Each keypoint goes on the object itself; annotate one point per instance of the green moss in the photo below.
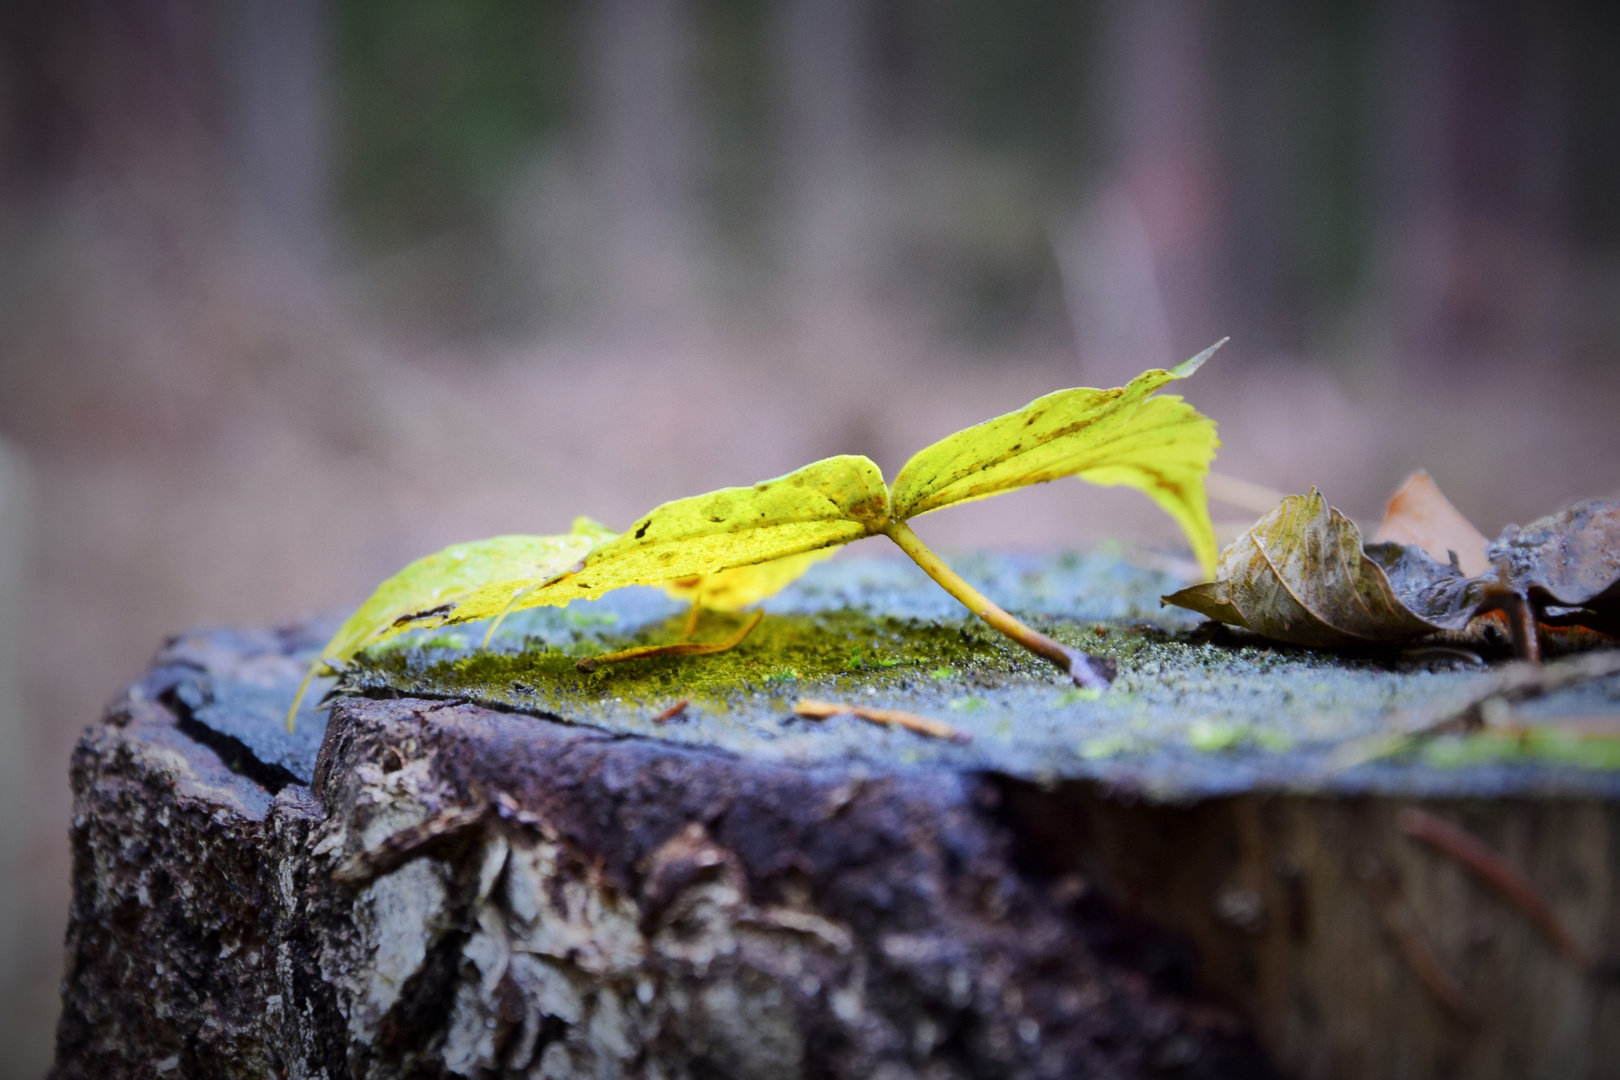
(1213, 735)
(1191, 709)
(1105, 746)
(829, 649)
(1536, 744)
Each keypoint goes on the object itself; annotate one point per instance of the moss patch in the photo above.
(1194, 710)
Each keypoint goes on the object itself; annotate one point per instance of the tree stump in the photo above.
(490, 864)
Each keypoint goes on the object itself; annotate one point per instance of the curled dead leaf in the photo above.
(1301, 575)
(1567, 565)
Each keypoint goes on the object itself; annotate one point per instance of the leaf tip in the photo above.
(1187, 367)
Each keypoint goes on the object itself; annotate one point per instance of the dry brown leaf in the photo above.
(1419, 514)
(1567, 565)
(1301, 575)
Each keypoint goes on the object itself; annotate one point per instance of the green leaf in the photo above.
(1301, 575)
(822, 505)
(788, 520)
(733, 547)
(1159, 445)
(462, 583)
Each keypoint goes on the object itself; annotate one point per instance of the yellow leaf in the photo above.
(744, 586)
(822, 505)
(462, 583)
(745, 543)
(1124, 436)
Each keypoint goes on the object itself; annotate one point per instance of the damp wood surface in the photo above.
(1195, 710)
(488, 863)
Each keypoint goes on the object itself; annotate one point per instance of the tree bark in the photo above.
(454, 890)
(467, 892)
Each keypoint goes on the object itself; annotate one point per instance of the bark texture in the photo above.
(1357, 950)
(466, 892)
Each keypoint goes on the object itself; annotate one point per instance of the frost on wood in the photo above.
(472, 893)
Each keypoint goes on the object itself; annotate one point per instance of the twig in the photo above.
(680, 648)
(1521, 620)
(1513, 682)
(1493, 869)
(1243, 494)
(1465, 711)
(1402, 925)
(672, 712)
(923, 725)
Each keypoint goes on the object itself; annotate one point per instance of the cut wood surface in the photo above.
(478, 868)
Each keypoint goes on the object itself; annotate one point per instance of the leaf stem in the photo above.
(680, 648)
(1083, 669)
(298, 698)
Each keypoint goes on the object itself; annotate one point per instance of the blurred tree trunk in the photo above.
(646, 129)
(280, 93)
(1139, 261)
(1473, 192)
(112, 168)
(106, 90)
(1266, 122)
(136, 135)
(19, 793)
(820, 53)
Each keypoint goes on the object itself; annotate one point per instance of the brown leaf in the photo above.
(1300, 575)
(1567, 565)
(1438, 593)
(1419, 514)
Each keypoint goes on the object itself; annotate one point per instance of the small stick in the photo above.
(1521, 619)
(1493, 869)
(1602, 727)
(504, 612)
(1402, 925)
(923, 725)
(1087, 671)
(672, 712)
(1512, 682)
(680, 648)
(1243, 494)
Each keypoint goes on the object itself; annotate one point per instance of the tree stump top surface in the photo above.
(531, 876)
(1196, 710)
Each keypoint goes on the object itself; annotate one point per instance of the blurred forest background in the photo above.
(293, 291)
